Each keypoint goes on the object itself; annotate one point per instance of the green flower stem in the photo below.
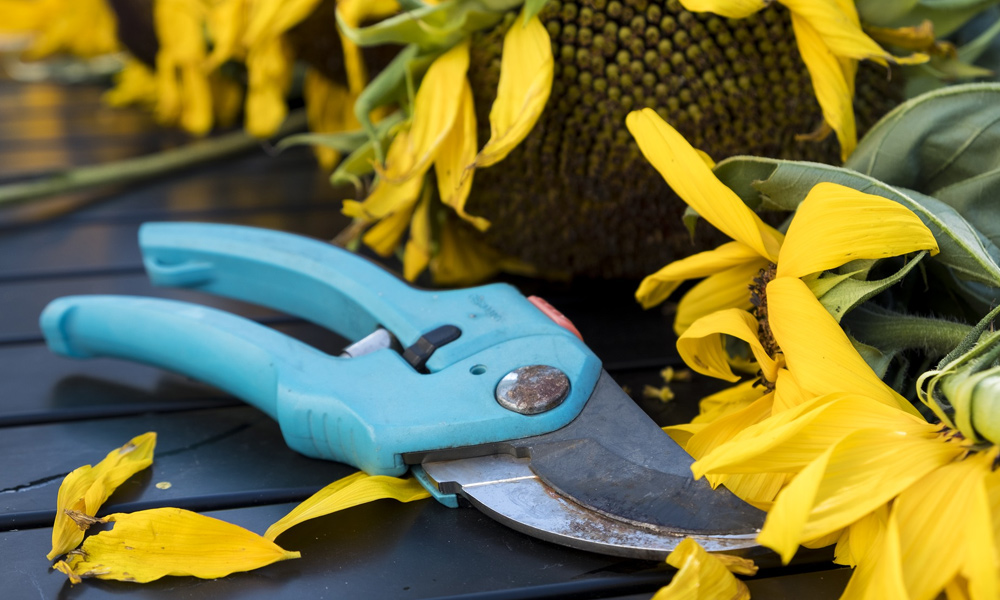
(898, 332)
(145, 167)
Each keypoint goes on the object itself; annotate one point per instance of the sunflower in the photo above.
(834, 226)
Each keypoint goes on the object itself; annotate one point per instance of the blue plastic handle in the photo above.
(367, 411)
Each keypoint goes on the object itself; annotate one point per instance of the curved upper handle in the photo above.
(334, 288)
(367, 411)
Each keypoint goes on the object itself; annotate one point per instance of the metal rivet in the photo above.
(533, 389)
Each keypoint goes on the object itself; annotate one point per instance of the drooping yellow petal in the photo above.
(702, 345)
(384, 236)
(184, 92)
(861, 537)
(689, 176)
(354, 13)
(227, 22)
(388, 197)
(352, 490)
(458, 151)
(725, 289)
(435, 110)
(788, 441)
(417, 252)
(269, 68)
(150, 544)
(833, 91)
(329, 109)
(836, 224)
(731, 9)
(526, 71)
(945, 527)
(703, 576)
(879, 576)
(817, 350)
(861, 472)
(85, 489)
(134, 84)
(271, 18)
(657, 287)
(841, 33)
(727, 401)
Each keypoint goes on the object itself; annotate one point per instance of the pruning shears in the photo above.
(482, 393)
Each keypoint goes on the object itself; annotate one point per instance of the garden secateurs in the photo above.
(482, 393)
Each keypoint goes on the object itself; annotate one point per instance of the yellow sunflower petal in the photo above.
(417, 252)
(934, 549)
(879, 575)
(85, 489)
(227, 21)
(689, 176)
(150, 544)
(271, 18)
(657, 287)
(788, 441)
(727, 401)
(352, 490)
(526, 71)
(458, 151)
(702, 345)
(701, 576)
(389, 197)
(861, 537)
(435, 109)
(269, 69)
(329, 109)
(725, 428)
(836, 224)
(861, 472)
(833, 90)
(731, 9)
(841, 33)
(354, 13)
(723, 290)
(817, 350)
(385, 235)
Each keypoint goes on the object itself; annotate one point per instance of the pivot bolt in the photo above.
(532, 390)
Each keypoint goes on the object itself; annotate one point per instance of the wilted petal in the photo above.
(842, 34)
(725, 289)
(417, 252)
(727, 401)
(329, 109)
(150, 544)
(861, 472)
(352, 490)
(389, 197)
(703, 576)
(833, 90)
(817, 350)
(686, 172)
(271, 18)
(85, 489)
(269, 74)
(385, 235)
(354, 13)
(435, 110)
(702, 346)
(836, 224)
(458, 150)
(526, 71)
(657, 287)
(732, 9)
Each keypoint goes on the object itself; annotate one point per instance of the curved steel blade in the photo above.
(505, 488)
(611, 481)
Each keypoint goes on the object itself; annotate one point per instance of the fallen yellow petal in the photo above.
(352, 490)
(85, 489)
(704, 576)
(526, 71)
(150, 544)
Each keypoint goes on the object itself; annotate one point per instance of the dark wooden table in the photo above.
(220, 456)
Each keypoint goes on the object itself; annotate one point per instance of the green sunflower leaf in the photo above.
(846, 292)
(967, 252)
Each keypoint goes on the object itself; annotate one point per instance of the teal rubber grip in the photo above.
(367, 411)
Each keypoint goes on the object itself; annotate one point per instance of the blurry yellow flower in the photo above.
(83, 28)
(134, 84)
(329, 109)
(833, 226)
(831, 42)
(443, 134)
(359, 488)
(183, 89)
(704, 576)
(83, 491)
(147, 545)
